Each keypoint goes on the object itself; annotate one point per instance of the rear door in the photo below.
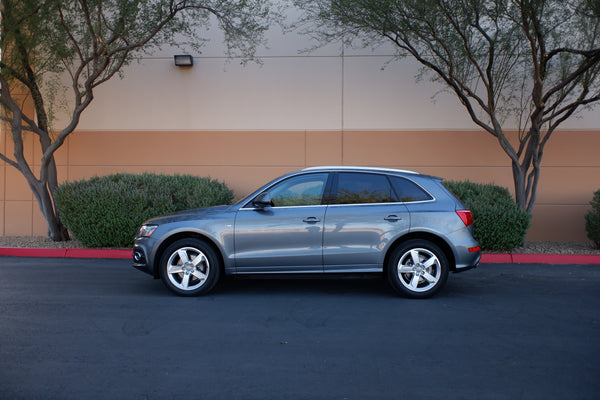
(363, 216)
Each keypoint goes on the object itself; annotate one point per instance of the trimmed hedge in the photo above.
(592, 220)
(106, 211)
(499, 223)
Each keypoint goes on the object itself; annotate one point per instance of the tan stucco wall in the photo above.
(247, 159)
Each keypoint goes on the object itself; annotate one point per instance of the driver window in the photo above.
(303, 190)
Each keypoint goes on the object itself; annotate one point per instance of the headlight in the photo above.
(146, 230)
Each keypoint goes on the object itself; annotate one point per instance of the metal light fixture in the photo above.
(183, 60)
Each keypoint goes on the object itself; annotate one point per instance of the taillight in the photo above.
(466, 216)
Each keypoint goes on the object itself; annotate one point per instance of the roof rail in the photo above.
(348, 167)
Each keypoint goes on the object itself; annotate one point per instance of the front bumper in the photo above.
(140, 260)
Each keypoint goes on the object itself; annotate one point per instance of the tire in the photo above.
(190, 267)
(417, 269)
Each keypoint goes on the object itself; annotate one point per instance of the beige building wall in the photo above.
(248, 124)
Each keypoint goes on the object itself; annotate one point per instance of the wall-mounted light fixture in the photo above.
(183, 60)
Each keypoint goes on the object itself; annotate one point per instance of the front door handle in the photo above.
(311, 220)
(393, 218)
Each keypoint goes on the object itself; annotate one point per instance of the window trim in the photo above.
(332, 193)
(331, 184)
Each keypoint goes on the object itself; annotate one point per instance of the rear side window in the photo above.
(359, 188)
(408, 191)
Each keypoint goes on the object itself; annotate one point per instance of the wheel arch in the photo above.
(437, 240)
(184, 235)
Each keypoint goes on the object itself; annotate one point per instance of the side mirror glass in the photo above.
(263, 200)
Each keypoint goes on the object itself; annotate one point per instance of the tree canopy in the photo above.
(515, 65)
(56, 47)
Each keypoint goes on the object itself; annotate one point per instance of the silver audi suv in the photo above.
(322, 220)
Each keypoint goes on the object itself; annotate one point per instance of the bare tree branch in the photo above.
(89, 42)
(530, 63)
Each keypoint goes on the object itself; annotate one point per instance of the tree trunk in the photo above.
(520, 180)
(526, 184)
(56, 230)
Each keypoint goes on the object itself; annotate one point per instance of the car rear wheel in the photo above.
(190, 267)
(417, 269)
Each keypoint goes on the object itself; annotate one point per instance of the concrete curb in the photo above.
(487, 258)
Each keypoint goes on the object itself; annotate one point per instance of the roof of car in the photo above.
(359, 168)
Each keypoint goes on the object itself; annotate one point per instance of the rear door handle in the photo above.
(311, 220)
(393, 218)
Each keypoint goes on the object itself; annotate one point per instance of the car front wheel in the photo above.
(190, 267)
(417, 269)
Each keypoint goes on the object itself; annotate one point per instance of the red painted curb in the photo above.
(68, 253)
(555, 259)
(491, 258)
(24, 252)
(496, 258)
(99, 253)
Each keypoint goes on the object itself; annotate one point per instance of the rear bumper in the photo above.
(469, 261)
(467, 252)
(467, 268)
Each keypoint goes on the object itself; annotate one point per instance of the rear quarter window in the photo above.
(408, 191)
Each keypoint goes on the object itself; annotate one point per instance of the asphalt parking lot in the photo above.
(97, 329)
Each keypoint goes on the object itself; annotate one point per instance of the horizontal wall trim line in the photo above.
(345, 130)
(544, 167)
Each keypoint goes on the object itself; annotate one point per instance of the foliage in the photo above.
(106, 211)
(592, 220)
(525, 65)
(53, 49)
(498, 223)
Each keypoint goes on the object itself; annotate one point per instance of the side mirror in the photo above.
(263, 200)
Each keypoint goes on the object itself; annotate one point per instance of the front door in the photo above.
(287, 236)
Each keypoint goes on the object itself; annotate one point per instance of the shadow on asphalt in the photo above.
(467, 284)
(372, 285)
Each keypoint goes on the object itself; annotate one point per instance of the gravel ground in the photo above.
(41, 242)
(528, 248)
(557, 248)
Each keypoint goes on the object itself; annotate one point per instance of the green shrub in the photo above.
(106, 211)
(499, 223)
(592, 220)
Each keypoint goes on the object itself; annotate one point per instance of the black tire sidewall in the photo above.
(392, 273)
(214, 261)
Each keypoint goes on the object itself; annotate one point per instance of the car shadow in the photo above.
(259, 285)
(372, 285)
